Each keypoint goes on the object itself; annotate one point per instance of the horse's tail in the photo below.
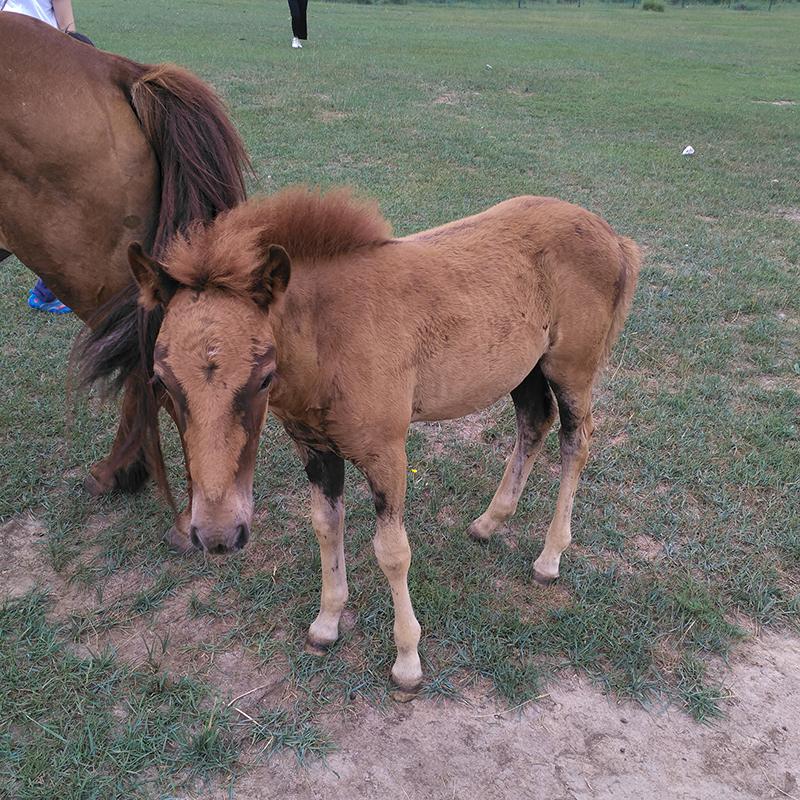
(630, 263)
(202, 160)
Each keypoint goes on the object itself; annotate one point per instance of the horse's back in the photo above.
(75, 168)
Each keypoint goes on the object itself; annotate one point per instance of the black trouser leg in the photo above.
(299, 23)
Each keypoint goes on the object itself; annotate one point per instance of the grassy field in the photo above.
(116, 678)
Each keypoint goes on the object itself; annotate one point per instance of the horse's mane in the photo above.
(309, 224)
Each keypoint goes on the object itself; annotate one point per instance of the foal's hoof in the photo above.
(543, 580)
(179, 542)
(405, 694)
(406, 687)
(315, 648)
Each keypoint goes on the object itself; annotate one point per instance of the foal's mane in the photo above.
(309, 224)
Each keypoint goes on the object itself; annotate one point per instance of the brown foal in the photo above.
(370, 334)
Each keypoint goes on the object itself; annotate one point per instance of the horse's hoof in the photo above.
(315, 648)
(179, 542)
(93, 487)
(543, 580)
(476, 535)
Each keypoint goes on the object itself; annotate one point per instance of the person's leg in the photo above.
(302, 28)
(299, 23)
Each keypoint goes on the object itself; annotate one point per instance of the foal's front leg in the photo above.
(386, 474)
(325, 470)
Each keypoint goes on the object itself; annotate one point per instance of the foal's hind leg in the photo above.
(574, 407)
(536, 411)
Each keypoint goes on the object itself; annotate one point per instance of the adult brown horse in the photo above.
(97, 151)
(371, 334)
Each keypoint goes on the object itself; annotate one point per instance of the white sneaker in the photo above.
(296, 43)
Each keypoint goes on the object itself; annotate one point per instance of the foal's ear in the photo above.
(156, 285)
(272, 278)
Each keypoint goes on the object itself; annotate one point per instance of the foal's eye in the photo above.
(266, 382)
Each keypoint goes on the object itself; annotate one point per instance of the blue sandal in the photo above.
(53, 307)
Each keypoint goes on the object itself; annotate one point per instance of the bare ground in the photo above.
(572, 744)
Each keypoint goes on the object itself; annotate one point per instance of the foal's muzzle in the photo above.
(219, 542)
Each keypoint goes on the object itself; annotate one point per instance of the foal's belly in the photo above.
(449, 389)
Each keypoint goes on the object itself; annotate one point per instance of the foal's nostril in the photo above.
(242, 537)
(195, 538)
(218, 549)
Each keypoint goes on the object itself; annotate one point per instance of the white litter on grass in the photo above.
(688, 150)
(488, 66)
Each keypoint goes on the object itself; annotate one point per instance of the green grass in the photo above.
(686, 522)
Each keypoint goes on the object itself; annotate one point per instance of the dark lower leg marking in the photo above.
(535, 410)
(325, 470)
(534, 406)
(574, 409)
(379, 499)
(132, 478)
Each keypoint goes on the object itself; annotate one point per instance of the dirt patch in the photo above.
(575, 744)
(773, 383)
(645, 547)
(453, 98)
(446, 99)
(535, 607)
(476, 428)
(448, 516)
(23, 564)
(739, 321)
(332, 116)
(792, 214)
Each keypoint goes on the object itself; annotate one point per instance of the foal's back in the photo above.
(558, 241)
(469, 308)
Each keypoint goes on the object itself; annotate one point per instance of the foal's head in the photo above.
(215, 358)
(222, 287)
